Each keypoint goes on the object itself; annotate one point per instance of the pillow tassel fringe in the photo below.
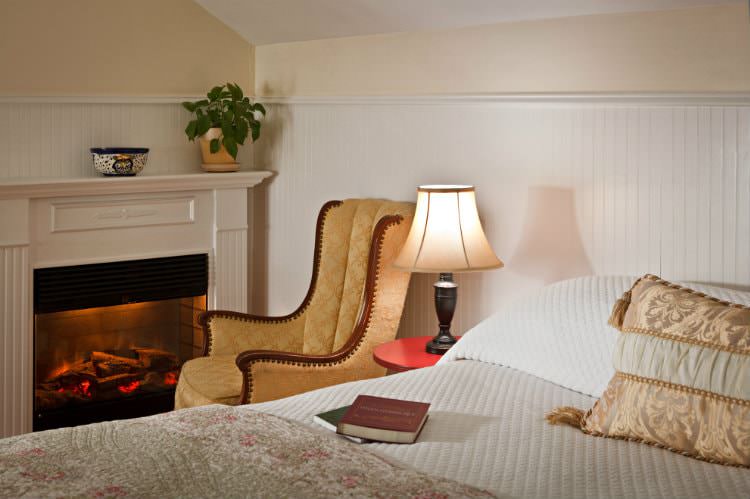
(566, 415)
(618, 312)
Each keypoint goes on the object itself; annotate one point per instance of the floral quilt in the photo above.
(212, 451)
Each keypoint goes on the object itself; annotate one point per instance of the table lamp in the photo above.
(446, 236)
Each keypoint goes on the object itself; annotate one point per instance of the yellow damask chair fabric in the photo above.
(682, 375)
(354, 303)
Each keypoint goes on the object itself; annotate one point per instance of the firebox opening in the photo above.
(121, 359)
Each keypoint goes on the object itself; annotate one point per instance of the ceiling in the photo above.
(274, 21)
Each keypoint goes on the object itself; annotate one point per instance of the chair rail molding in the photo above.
(607, 99)
(98, 99)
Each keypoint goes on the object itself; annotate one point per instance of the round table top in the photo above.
(405, 354)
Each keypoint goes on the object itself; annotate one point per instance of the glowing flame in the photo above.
(170, 378)
(83, 388)
(129, 387)
(59, 370)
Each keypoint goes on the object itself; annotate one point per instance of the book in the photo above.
(330, 420)
(384, 419)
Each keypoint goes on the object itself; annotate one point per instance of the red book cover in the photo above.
(386, 414)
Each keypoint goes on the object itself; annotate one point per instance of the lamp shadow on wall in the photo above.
(550, 248)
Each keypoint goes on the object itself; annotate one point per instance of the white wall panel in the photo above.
(15, 341)
(660, 186)
(52, 138)
(230, 270)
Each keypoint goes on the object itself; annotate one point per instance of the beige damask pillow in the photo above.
(682, 377)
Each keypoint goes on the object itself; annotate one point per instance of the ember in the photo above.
(170, 378)
(83, 388)
(129, 387)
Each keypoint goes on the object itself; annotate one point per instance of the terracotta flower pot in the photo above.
(220, 161)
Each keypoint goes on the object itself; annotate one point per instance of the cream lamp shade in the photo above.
(446, 234)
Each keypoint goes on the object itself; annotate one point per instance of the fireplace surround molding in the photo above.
(74, 221)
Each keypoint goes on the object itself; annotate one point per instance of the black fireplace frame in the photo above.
(58, 289)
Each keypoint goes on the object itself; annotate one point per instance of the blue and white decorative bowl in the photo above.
(119, 161)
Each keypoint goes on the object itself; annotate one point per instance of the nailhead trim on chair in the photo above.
(205, 318)
(363, 325)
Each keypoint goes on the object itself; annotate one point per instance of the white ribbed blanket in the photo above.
(487, 429)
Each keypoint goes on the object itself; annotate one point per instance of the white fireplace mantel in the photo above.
(30, 188)
(74, 221)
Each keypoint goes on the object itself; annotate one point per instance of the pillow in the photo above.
(682, 375)
(558, 333)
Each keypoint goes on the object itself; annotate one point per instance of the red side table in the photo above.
(405, 354)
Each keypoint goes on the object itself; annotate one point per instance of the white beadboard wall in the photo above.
(51, 137)
(231, 247)
(660, 185)
(16, 349)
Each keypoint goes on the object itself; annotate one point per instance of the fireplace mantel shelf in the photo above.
(61, 187)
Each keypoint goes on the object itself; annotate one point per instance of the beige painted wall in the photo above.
(699, 49)
(117, 47)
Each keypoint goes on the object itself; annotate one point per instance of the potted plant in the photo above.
(222, 123)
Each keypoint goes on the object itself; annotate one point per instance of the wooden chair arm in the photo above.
(269, 375)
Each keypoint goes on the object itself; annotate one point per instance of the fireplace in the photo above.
(110, 338)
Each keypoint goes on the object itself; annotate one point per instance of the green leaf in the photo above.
(259, 107)
(231, 145)
(214, 94)
(255, 130)
(189, 106)
(190, 129)
(214, 146)
(203, 123)
(240, 134)
(229, 115)
(213, 116)
(227, 129)
(201, 103)
(236, 91)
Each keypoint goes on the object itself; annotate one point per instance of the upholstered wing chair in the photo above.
(354, 303)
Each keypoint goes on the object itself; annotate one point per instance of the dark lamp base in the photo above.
(446, 292)
(440, 344)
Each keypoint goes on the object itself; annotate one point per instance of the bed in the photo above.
(486, 430)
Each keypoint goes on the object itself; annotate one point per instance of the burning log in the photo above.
(157, 360)
(104, 376)
(79, 368)
(112, 382)
(109, 365)
(78, 379)
(50, 399)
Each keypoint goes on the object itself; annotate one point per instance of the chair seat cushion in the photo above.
(209, 380)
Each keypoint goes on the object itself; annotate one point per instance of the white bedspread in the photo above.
(487, 429)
